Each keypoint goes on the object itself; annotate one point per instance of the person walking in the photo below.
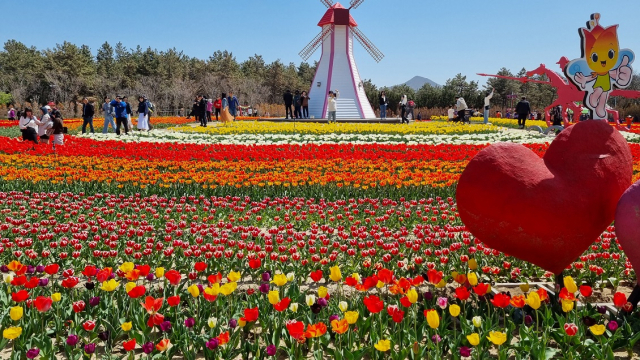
(29, 126)
(233, 105)
(461, 107)
(151, 108)
(201, 110)
(217, 105)
(403, 109)
(107, 110)
(305, 105)
(209, 110)
(225, 116)
(143, 114)
(120, 108)
(88, 111)
(44, 125)
(129, 112)
(332, 107)
(11, 114)
(523, 109)
(297, 105)
(288, 102)
(384, 103)
(487, 106)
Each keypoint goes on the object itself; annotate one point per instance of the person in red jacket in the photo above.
(217, 106)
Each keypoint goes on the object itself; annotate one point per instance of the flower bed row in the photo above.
(220, 277)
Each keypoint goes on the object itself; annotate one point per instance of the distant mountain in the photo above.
(418, 81)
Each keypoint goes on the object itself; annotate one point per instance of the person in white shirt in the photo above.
(487, 106)
(332, 106)
(29, 126)
(45, 124)
(403, 109)
(461, 106)
(451, 113)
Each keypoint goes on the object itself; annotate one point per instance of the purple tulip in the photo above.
(436, 338)
(601, 309)
(104, 336)
(150, 277)
(322, 302)
(31, 269)
(4, 269)
(266, 276)
(147, 348)
(588, 321)
(233, 323)
(465, 351)
(189, 322)
(90, 348)
(200, 287)
(72, 340)
(43, 282)
(213, 344)
(333, 317)
(315, 308)
(612, 325)
(165, 326)
(32, 353)
(89, 285)
(94, 301)
(264, 288)
(528, 320)
(40, 269)
(271, 350)
(428, 296)
(112, 276)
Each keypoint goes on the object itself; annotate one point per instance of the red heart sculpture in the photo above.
(546, 211)
(628, 224)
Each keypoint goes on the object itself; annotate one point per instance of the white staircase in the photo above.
(347, 109)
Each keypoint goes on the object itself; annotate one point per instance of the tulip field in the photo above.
(264, 241)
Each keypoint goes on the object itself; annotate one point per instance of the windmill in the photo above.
(337, 68)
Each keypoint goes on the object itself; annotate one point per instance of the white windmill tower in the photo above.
(337, 68)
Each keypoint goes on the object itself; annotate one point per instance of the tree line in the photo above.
(66, 73)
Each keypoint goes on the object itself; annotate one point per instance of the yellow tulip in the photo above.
(567, 305)
(322, 292)
(473, 264)
(454, 310)
(351, 316)
(380, 284)
(383, 345)
(130, 285)
(126, 326)
(241, 323)
(55, 297)
(127, 266)
(194, 290)
(335, 275)
(356, 277)
(343, 306)
(110, 285)
(474, 339)
(412, 295)
(274, 297)
(441, 284)
(213, 290)
(533, 300)
(570, 284)
(12, 332)
(279, 279)
(234, 276)
(159, 272)
(228, 288)
(473, 279)
(16, 313)
(433, 319)
(497, 338)
(524, 288)
(597, 329)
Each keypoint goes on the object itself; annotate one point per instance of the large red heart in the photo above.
(628, 224)
(546, 211)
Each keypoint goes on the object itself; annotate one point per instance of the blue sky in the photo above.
(435, 39)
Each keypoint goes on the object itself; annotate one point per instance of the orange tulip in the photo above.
(339, 326)
(163, 345)
(316, 330)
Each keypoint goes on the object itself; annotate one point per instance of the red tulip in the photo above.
(295, 328)
(386, 276)
(250, 315)
(223, 338)
(152, 305)
(43, 303)
(501, 300)
(103, 275)
(396, 314)
(52, 269)
(462, 293)
(571, 329)
(129, 345)
(173, 276)
(282, 305)
(215, 278)
(619, 299)
(317, 276)
(89, 325)
(481, 289)
(70, 282)
(255, 263)
(200, 266)
(137, 291)
(78, 306)
(20, 296)
(173, 300)
(373, 303)
(434, 276)
(586, 290)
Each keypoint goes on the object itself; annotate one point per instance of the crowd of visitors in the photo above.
(224, 108)
(49, 128)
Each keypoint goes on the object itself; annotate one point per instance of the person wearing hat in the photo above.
(107, 110)
(54, 112)
(45, 124)
(88, 111)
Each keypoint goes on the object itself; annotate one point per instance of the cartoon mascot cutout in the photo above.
(601, 67)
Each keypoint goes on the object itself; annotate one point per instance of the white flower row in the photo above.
(167, 136)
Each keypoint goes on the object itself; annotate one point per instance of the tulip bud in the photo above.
(343, 305)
